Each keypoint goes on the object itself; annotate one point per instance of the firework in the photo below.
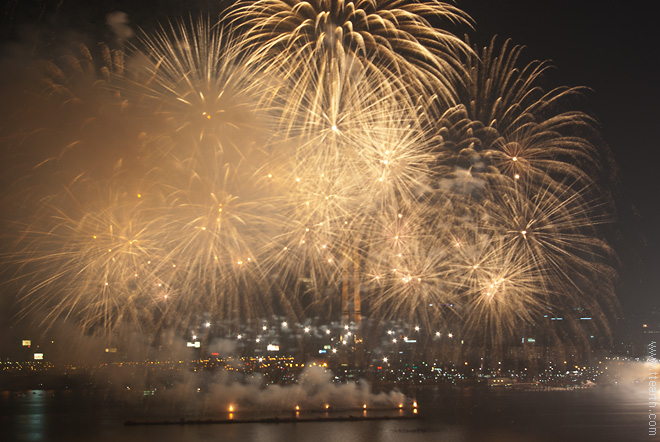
(393, 39)
(96, 263)
(193, 78)
(296, 149)
(507, 124)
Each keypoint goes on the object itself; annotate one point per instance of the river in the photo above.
(461, 415)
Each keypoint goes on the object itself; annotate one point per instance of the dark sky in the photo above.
(611, 49)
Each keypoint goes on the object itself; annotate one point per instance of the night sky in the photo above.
(613, 50)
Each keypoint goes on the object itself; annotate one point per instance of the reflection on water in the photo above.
(468, 415)
(31, 419)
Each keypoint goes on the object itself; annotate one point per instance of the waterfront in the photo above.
(458, 415)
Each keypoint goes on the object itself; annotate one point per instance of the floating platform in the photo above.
(271, 420)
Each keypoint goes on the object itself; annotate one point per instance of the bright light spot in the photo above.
(207, 325)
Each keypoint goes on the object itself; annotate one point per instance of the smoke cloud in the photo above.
(118, 23)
